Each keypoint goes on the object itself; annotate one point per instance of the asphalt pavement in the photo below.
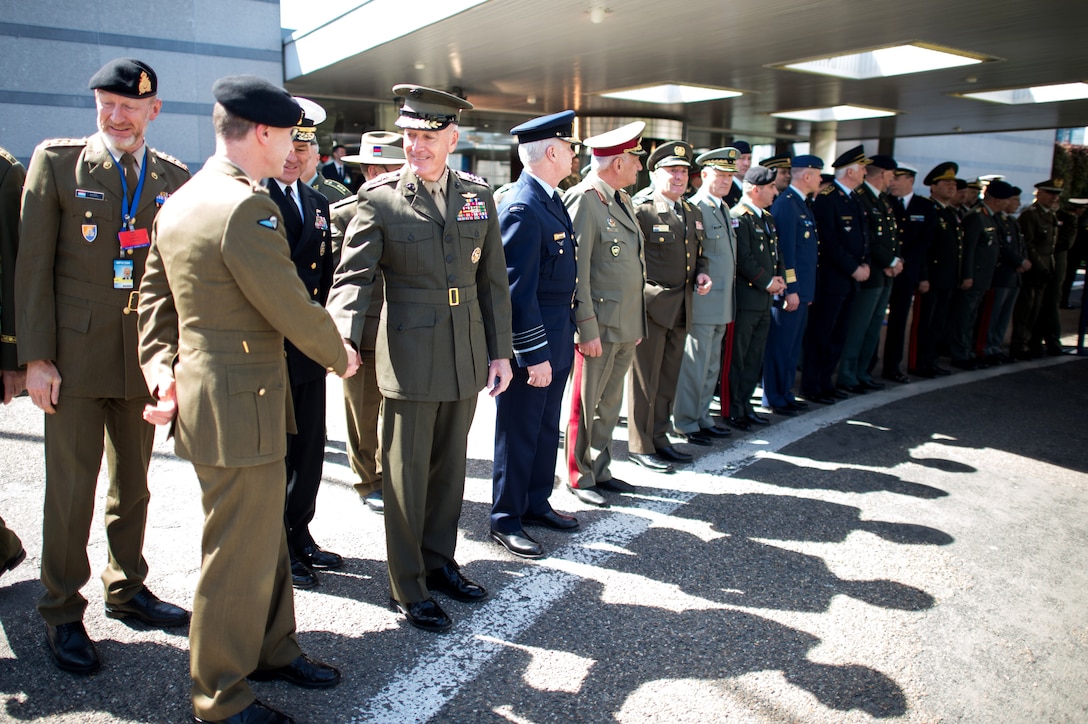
(917, 554)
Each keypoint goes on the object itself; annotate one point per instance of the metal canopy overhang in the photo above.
(514, 58)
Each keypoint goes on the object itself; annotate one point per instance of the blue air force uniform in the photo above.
(538, 239)
(798, 244)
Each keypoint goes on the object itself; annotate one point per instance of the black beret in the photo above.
(760, 176)
(999, 189)
(257, 100)
(743, 147)
(126, 77)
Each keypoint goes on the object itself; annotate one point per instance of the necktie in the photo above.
(288, 191)
(439, 197)
(132, 177)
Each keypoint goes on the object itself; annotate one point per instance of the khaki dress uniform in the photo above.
(608, 304)
(70, 312)
(362, 398)
(332, 190)
(447, 313)
(710, 313)
(219, 296)
(674, 257)
(11, 186)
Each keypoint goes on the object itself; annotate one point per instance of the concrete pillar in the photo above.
(822, 142)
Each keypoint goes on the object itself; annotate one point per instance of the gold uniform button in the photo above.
(314, 265)
(88, 214)
(315, 291)
(261, 392)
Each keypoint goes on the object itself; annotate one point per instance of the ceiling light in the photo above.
(672, 93)
(835, 113)
(887, 61)
(1033, 94)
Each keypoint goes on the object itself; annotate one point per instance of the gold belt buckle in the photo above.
(133, 303)
(455, 296)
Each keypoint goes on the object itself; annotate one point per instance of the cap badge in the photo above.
(678, 151)
(145, 83)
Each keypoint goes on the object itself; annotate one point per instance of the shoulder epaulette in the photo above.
(171, 159)
(8, 157)
(343, 202)
(62, 142)
(391, 176)
(465, 175)
(257, 186)
(338, 186)
(828, 189)
(598, 192)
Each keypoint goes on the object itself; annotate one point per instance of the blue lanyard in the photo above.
(126, 208)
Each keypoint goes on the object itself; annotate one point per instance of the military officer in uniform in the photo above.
(11, 186)
(744, 162)
(331, 189)
(916, 222)
(843, 263)
(981, 253)
(780, 163)
(88, 205)
(610, 313)
(1012, 263)
(306, 221)
(871, 302)
(675, 269)
(219, 297)
(433, 233)
(710, 312)
(942, 269)
(539, 244)
(797, 246)
(379, 153)
(1039, 228)
(760, 276)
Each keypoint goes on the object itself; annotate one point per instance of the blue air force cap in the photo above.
(556, 125)
(807, 161)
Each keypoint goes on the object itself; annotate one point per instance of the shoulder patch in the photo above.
(170, 159)
(271, 222)
(471, 177)
(516, 208)
(385, 178)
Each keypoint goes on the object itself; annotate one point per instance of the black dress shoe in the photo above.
(448, 580)
(72, 648)
(11, 563)
(586, 495)
(303, 671)
(784, 411)
(146, 608)
(965, 364)
(255, 713)
(757, 419)
(426, 615)
(375, 502)
(695, 438)
(837, 395)
(650, 462)
(741, 423)
(616, 485)
(871, 384)
(314, 557)
(551, 519)
(302, 576)
(897, 377)
(926, 372)
(821, 399)
(519, 543)
(939, 371)
(668, 452)
(796, 405)
(716, 431)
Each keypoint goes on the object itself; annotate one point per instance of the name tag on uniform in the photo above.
(559, 236)
(660, 227)
(93, 195)
(917, 217)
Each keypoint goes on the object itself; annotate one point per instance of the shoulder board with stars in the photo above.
(170, 159)
(465, 175)
(333, 183)
(62, 142)
(390, 177)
